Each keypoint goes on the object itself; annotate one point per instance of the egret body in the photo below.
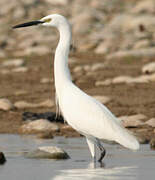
(84, 113)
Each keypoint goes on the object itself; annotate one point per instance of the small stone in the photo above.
(144, 7)
(20, 69)
(46, 80)
(40, 125)
(13, 62)
(20, 93)
(5, 104)
(39, 50)
(148, 68)
(45, 135)
(2, 158)
(101, 49)
(5, 71)
(152, 144)
(67, 128)
(121, 79)
(151, 122)
(97, 66)
(142, 44)
(132, 121)
(24, 104)
(47, 103)
(107, 82)
(102, 99)
(48, 152)
(78, 69)
(136, 53)
(138, 80)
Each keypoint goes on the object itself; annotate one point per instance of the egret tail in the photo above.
(125, 138)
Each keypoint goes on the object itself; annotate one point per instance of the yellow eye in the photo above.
(48, 20)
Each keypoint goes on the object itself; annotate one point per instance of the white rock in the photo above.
(151, 122)
(136, 53)
(107, 82)
(48, 152)
(149, 68)
(5, 104)
(97, 66)
(86, 67)
(151, 77)
(102, 99)
(78, 69)
(20, 69)
(2, 54)
(142, 44)
(101, 48)
(39, 50)
(47, 103)
(132, 121)
(24, 104)
(58, 2)
(121, 79)
(14, 62)
(139, 79)
(46, 80)
(144, 6)
(39, 125)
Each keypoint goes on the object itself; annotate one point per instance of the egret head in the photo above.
(54, 20)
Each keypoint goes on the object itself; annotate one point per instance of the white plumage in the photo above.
(82, 112)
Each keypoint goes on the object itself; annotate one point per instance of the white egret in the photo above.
(85, 114)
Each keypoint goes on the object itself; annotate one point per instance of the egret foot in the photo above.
(103, 152)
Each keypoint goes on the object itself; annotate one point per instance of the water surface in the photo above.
(119, 163)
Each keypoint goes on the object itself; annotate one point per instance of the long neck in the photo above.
(61, 71)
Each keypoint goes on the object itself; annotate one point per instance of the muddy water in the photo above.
(119, 163)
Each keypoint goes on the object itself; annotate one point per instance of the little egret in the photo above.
(84, 113)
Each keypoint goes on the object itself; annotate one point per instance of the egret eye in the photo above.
(48, 20)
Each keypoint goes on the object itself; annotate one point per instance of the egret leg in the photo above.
(102, 149)
(94, 158)
(92, 147)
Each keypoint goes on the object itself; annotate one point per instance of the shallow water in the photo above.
(119, 163)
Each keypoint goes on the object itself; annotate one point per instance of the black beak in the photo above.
(32, 23)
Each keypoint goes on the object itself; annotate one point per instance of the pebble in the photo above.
(46, 80)
(101, 49)
(144, 7)
(121, 79)
(39, 50)
(97, 66)
(13, 62)
(152, 143)
(151, 122)
(45, 135)
(20, 69)
(23, 104)
(103, 99)
(6, 104)
(149, 68)
(136, 53)
(48, 152)
(40, 125)
(2, 158)
(132, 121)
(107, 82)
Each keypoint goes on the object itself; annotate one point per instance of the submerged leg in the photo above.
(92, 148)
(102, 149)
